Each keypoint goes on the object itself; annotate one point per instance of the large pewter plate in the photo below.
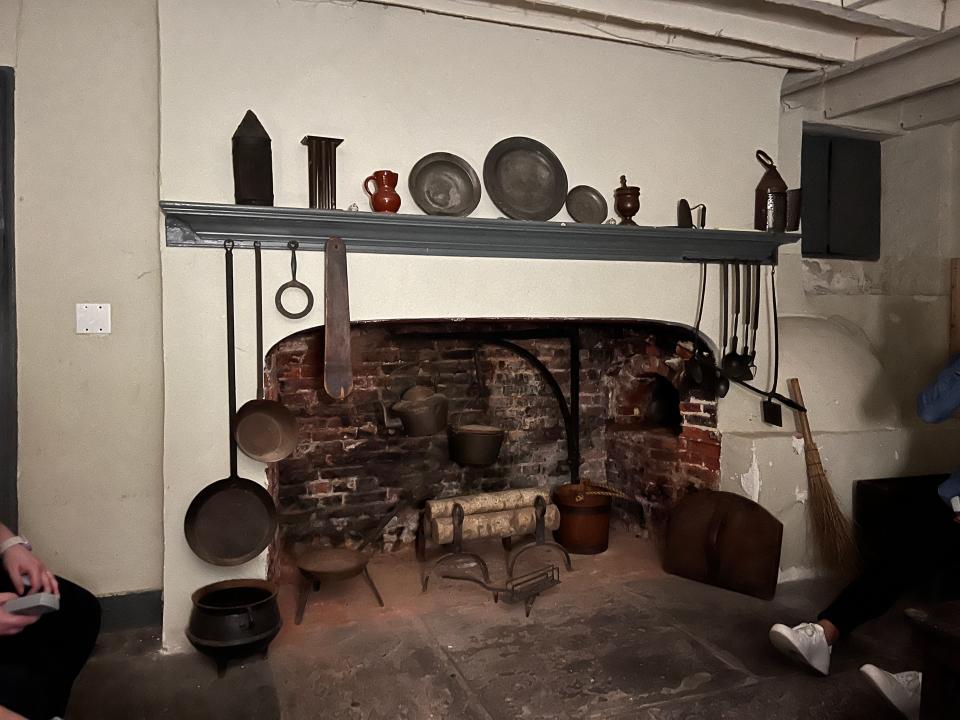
(444, 184)
(525, 179)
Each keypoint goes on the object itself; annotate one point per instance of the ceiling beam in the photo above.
(867, 18)
(922, 13)
(934, 108)
(910, 69)
(665, 24)
(712, 22)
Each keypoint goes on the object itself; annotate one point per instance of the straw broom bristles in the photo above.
(829, 526)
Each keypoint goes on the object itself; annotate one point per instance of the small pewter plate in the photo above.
(525, 179)
(444, 184)
(586, 205)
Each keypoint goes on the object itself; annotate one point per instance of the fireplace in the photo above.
(640, 429)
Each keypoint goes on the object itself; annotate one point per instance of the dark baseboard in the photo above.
(131, 610)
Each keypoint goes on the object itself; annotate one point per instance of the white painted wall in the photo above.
(397, 85)
(86, 149)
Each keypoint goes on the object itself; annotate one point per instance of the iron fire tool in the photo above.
(540, 507)
(525, 588)
(457, 553)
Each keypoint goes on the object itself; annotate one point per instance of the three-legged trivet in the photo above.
(322, 565)
(540, 507)
(457, 553)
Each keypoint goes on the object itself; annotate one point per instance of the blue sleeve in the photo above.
(941, 399)
(949, 488)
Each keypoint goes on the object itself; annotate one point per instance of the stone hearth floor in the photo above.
(617, 639)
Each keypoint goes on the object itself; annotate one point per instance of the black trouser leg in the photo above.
(890, 573)
(38, 666)
(869, 596)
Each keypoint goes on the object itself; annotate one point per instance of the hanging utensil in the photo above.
(770, 411)
(731, 359)
(723, 385)
(725, 300)
(755, 326)
(265, 430)
(744, 361)
(337, 370)
(295, 285)
(695, 364)
(231, 520)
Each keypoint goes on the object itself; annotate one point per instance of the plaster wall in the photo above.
(90, 483)
(397, 85)
(880, 337)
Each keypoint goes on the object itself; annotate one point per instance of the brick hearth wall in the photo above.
(349, 466)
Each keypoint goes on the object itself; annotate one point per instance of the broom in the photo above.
(826, 522)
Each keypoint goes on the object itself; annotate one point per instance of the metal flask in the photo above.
(770, 206)
(252, 163)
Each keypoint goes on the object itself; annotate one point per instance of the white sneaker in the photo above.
(902, 690)
(806, 642)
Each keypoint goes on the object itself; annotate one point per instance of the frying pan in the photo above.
(265, 430)
(231, 520)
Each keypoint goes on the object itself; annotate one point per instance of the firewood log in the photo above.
(486, 502)
(504, 523)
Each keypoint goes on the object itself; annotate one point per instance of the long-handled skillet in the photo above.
(231, 520)
(265, 430)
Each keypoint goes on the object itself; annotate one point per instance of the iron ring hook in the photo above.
(293, 284)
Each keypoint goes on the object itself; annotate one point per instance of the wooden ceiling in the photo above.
(793, 34)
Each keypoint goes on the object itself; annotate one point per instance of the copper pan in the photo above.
(265, 430)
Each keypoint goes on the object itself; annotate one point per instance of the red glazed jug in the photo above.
(383, 197)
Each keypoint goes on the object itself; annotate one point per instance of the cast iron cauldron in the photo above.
(234, 619)
(474, 445)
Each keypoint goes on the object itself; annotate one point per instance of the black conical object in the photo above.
(252, 163)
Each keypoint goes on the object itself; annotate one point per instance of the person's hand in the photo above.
(9, 714)
(12, 624)
(19, 562)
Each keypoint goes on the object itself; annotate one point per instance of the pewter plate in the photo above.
(444, 184)
(586, 205)
(525, 179)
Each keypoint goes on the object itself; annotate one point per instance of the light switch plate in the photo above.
(93, 318)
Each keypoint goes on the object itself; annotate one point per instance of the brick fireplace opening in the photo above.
(642, 430)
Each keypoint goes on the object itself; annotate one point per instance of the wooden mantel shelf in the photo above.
(207, 225)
